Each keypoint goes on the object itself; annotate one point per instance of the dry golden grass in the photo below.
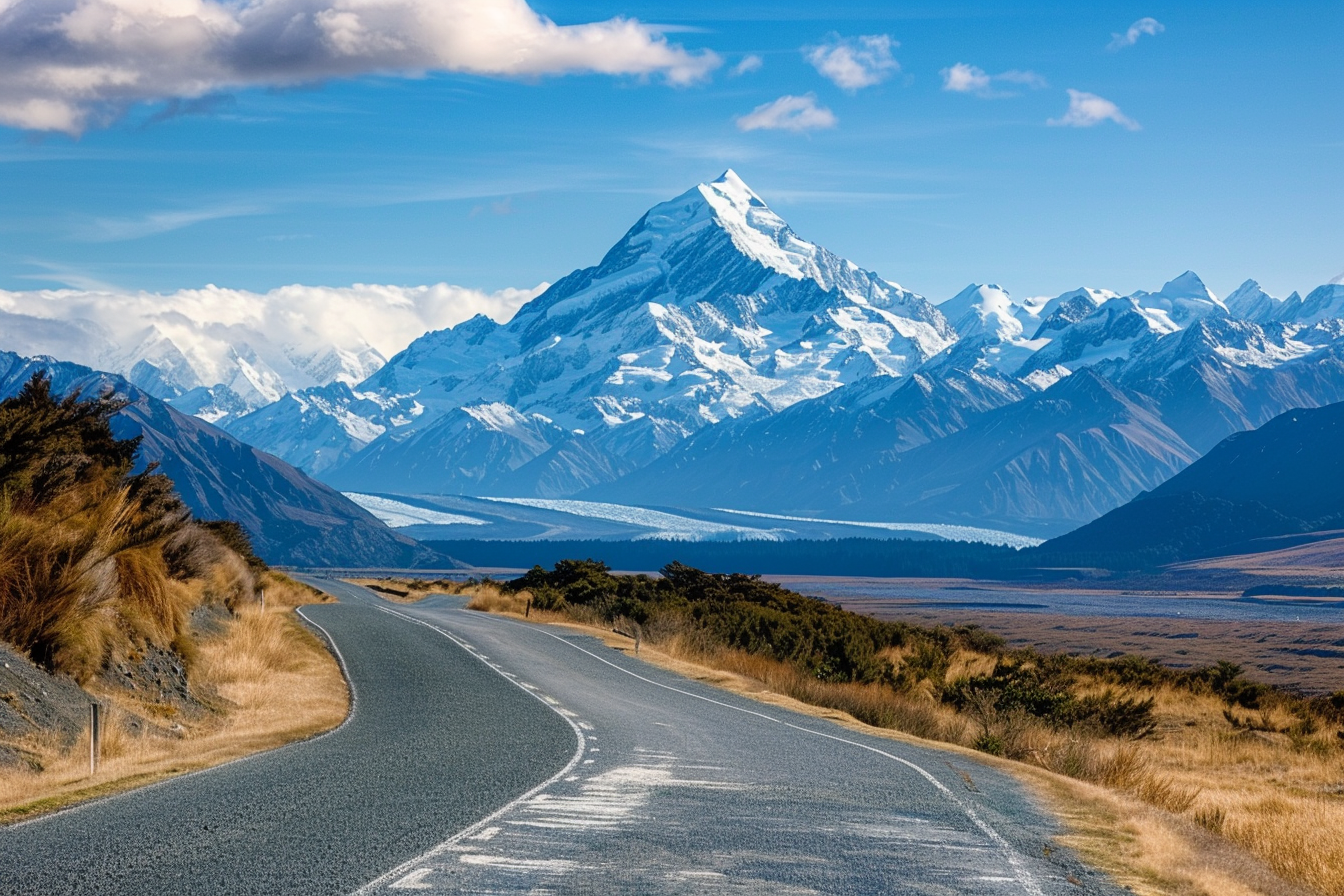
(490, 599)
(1196, 809)
(409, 591)
(275, 682)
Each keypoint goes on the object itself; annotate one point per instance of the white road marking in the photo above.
(413, 881)
(487, 834)
(506, 863)
(402, 870)
(1021, 873)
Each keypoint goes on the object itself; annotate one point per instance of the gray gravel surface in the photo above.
(436, 741)
(685, 789)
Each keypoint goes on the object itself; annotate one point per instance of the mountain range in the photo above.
(291, 518)
(714, 358)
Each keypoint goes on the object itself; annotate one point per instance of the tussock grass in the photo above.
(410, 590)
(272, 680)
(490, 599)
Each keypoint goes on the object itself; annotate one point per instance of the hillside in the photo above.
(291, 518)
(1285, 478)
(98, 562)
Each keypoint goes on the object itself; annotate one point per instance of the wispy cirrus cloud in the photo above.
(852, 63)
(1087, 110)
(114, 230)
(963, 78)
(1146, 25)
(748, 65)
(788, 113)
(68, 64)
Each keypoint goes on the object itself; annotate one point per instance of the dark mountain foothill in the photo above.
(1285, 478)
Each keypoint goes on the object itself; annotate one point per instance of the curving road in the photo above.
(435, 741)
(683, 789)
(488, 756)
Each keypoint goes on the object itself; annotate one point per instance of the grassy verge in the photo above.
(1174, 783)
(267, 681)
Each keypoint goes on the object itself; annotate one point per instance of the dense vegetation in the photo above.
(879, 557)
(963, 668)
(840, 556)
(97, 561)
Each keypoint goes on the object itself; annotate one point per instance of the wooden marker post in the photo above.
(95, 736)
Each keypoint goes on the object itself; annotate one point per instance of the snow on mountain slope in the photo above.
(712, 351)
(709, 306)
(1039, 464)
(817, 455)
(709, 309)
(990, 328)
(1107, 333)
(290, 518)
(333, 423)
(490, 449)
(1321, 304)
(1240, 343)
(1206, 388)
(1249, 302)
(1068, 308)
(1182, 300)
(985, 310)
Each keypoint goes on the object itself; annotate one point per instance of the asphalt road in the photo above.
(487, 756)
(680, 788)
(436, 741)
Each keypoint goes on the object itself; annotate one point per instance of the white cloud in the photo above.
(788, 113)
(1088, 109)
(854, 62)
(207, 324)
(1146, 25)
(963, 78)
(67, 64)
(748, 65)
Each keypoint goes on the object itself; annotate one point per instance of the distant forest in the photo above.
(843, 556)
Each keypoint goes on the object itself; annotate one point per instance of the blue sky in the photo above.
(1225, 152)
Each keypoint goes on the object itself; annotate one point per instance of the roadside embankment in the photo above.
(257, 679)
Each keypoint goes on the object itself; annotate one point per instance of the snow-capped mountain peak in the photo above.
(983, 311)
(1321, 304)
(709, 308)
(1068, 308)
(1186, 286)
(1183, 299)
(756, 230)
(1249, 302)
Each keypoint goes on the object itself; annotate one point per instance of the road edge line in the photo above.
(408, 867)
(354, 701)
(1024, 875)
